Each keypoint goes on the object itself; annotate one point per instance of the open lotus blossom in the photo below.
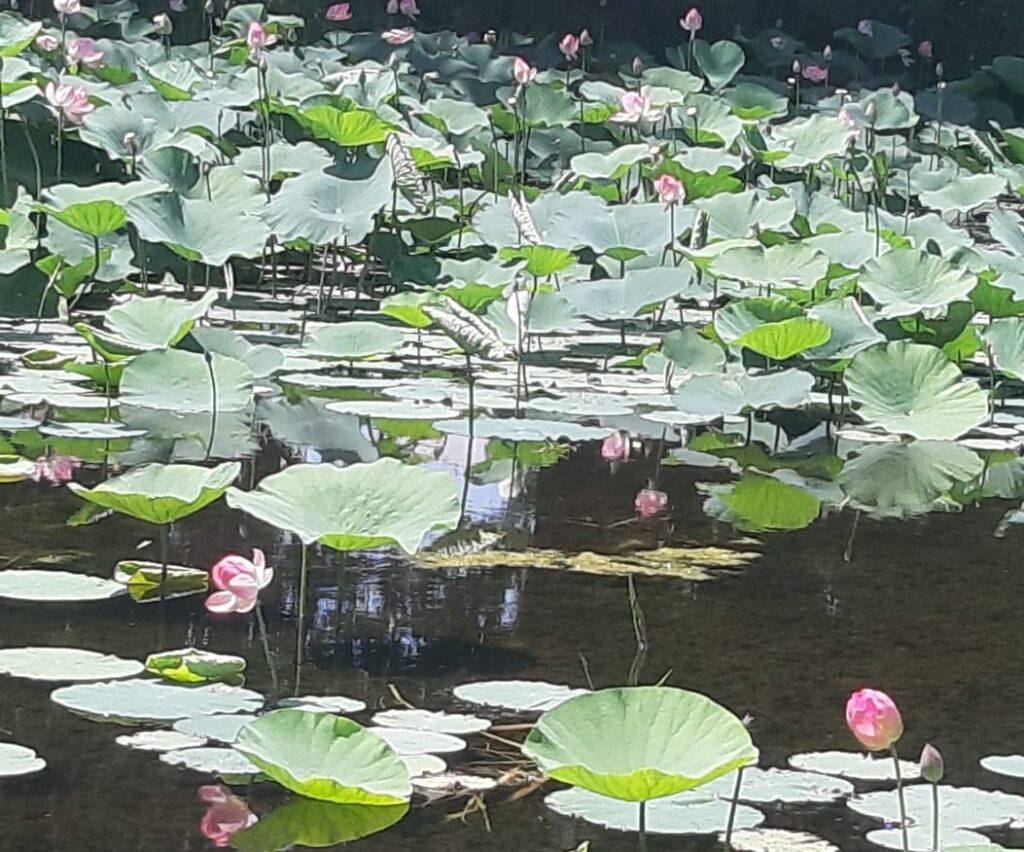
(874, 719)
(226, 815)
(399, 36)
(815, 73)
(339, 12)
(82, 51)
(409, 9)
(47, 43)
(56, 469)
(866, 28)
(523, 72)
(570, 46)
(692, 21)
(586, 39)
(67, 7)
(635, 107)
(71, 102)
(257, 38)
(650, 503)
(670, 191)
(615, 447)
(239, 581)
(925, 50)
(176, 6)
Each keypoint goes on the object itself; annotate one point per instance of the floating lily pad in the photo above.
(919, 838)
(423, 764)
(778, 840)
(56, 586)
(391, 410)
(324, 703)
(409, 741)
(19, 760)
(854, 764)
(764, 786)
(222, 728)
(424, 720)
(65, 664)
(523, 696)
(193, 665)
(143, 580)
(523, 430)
(959, 807)
(689, 813)
(160, 741)
(225, 763)
(131, 701)
(453, 783)
(1005, 764)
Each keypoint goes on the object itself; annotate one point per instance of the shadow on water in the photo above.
(925, 609)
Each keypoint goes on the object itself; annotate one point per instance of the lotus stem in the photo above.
(35, 159)
(643, 827)
(60, 145)
(213, 403)
(900, 798)
(261, 626)
(300, 642)
(469, 443)
(935, 818)
(164, 544)
(732, 808)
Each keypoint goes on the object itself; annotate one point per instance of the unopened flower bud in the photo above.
(932, 765)
(940, 72)
(490, 37)
(129, 140)
(638, 66)
(796, 67)
(827, 53)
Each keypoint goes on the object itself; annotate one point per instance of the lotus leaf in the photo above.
(317, 825)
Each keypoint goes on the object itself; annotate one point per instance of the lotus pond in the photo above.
(415, 440)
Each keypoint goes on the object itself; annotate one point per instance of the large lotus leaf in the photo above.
(625, 298)
(852, 329)
(352, 129)
(353, 508)
(262, 359)
(964, 193)
(560, 220)
(285, 159)
(781, 340)
(144, 323)
(308, 823)
(719, 62)
(735, 214)
(784, 265)
(324, 209)
(713, 396)
(325, 757)
(353, 340)
(195, 228)
(743, 315)
(906, 282)
(96, 210)
(907, 479)
(133, 701)
(161, 493)
(757, 503)
(456, 116)
(179, 381)
(1006, 340)
(639, 743)
(753, 102)
(44, 586)
(612, 165)
(911, 389)
(692, 352)
(16, 33)
(627, 230)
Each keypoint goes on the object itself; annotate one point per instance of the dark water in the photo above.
(927, 610)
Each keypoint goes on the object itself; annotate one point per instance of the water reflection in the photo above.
(226, 815)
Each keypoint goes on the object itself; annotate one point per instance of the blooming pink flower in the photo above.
(399, 36)
(339, 12)
(84, 51)
(615, 447)
(650, 503)
(670, 191)
(70, 101)
(257, 38)
(586, 39)
(67, 7)
(874, 719)
(239, 581)
(47, 43)
(226, 815)
(635, 107)
(866, 28)
(522, 71)
(55, 469)
(815, 73)
(692, 21)
(409, 9)
(925, 49)
(570, 46)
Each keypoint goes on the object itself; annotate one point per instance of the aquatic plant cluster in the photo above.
(404, 239)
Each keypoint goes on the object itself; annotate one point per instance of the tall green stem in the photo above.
(300, 641)
(60, 145)
(935, 818)
(732, 808)
(164, 544)
(900, 797)
(261, 625)
(643, 827)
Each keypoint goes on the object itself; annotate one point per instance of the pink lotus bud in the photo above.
(570, 46)
(874, 719)
(522, 71)
(925, 50)
(692, 21)
(47, 43)
(398, 37)
(866, 28)
(586, 40)
(67, 7)
(257, 38)
(670, 191)
(84, 51)
(815, 74)
(615, 447)
(339, 12)
(650, 503)
(797, 66)
(409, 9)
(932, 765)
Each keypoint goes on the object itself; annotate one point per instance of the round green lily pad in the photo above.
(65, 664)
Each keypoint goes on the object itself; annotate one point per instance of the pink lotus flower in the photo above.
(67, 7)
(226, 815)
(257, 39)
(570, 46)
(339, 12)
(84, 51)
(55, 469)
(615, 447)
(177, 6)
(692, 21)
(239, 581)
(635, 107)
(71, 102)
(670, 191)
(47, 43)
(650, 503)
(925, 50)
(586, 39)
(866, 28)
(523, 72)
(398, 37)
(392, 7)
(874, 719)
(815, 73)
(409, 9)
(932, 765)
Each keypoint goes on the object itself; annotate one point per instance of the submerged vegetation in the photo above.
(406, 265)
